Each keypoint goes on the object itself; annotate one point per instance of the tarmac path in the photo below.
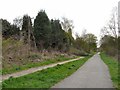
(93, 74)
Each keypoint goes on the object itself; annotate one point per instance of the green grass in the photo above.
(45, 78)
(16, 68)
(113, 68)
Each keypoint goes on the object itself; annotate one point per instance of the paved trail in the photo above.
(32, 70)
(93, 74)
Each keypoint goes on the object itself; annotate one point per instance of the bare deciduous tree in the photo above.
(67, 24)
(104, 31)
(113, 23)
(18, 21)
(84, 32)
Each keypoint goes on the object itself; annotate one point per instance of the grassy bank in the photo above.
(17, 56)
(16, 68)
(113, 68)
(45, 78)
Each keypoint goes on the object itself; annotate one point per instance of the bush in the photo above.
(77, 52)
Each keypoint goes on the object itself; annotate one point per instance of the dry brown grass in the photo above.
(16, 53)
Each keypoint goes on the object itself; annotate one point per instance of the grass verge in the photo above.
(16, 68)
(45, 78)
(113, 68)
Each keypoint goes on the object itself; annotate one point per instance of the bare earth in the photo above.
(32, 70)
(93, 74)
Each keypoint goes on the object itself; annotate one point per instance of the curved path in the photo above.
(32, 70)
(93, 74)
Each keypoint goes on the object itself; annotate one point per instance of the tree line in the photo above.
(110, 36)
(50, 35)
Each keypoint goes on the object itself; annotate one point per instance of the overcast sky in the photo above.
(86, 14)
